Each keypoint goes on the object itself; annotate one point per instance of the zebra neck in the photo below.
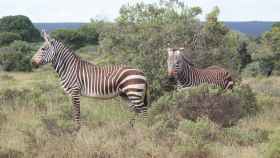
(64, 62)
(185, 74)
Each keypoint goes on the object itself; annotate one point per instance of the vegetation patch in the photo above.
(223, 107)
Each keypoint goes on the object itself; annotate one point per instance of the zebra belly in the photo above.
(101, 96)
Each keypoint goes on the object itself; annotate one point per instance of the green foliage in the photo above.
(75, 39)
(267, 51)
(245, 57)
(252, 69)
(16, 57)
(89, 31)
(72, 38)
(257, 68)
(8, 37)
(20, 25)
(215, 30)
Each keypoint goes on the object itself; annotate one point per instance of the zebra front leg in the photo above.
(76, 108)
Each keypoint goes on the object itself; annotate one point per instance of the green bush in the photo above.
(16, 57)
(20, 25)
(8, 37)
(224, 108)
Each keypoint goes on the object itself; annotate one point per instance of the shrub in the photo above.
(8, 37)
(224, 108)
(16, 57)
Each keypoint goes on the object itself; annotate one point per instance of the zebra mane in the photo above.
(69, 50)
(184, 58)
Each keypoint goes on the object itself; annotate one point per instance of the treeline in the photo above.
(140, 36)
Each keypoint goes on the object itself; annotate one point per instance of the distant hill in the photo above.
(54, 26)
(253, 29)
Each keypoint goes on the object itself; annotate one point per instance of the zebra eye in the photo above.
(43, 49)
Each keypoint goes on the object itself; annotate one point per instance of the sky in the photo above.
(84, 10)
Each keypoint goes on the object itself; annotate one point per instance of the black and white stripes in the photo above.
(186, 75)
(79, 77)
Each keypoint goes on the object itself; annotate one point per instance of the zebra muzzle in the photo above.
(34, 64)
(171, 73)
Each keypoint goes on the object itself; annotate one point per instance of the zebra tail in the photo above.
(146, 97)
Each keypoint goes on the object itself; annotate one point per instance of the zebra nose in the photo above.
(34, 64)
(171, 73)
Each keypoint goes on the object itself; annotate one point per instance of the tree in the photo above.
(72, 38)
(20, 25)
(215, 30)
(141, 36)
(268, 52)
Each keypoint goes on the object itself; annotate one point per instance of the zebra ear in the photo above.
(46, 36)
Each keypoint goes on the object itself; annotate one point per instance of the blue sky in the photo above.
(84, 10)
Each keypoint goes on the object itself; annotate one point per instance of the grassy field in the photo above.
(35, 121)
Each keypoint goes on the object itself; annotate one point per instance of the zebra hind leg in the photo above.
(76, 109)
(136, 107)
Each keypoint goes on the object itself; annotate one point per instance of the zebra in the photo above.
(186, 75)
(82, 78)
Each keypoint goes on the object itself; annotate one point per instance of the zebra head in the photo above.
(45, 53)
(174, 54)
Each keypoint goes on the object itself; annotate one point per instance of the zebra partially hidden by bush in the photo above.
(186, 75)
(79, 77)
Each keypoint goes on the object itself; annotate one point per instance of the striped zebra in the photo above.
(81, 78)
(186, 75)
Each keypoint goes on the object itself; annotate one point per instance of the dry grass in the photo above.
(38, 124)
